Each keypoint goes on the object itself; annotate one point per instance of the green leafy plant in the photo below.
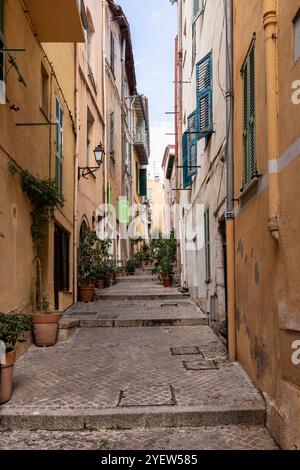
(130, 266)
(87, 256)
(12, 326)
(164, 253)
(44, 196)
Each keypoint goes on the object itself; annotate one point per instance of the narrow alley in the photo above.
(142, 369)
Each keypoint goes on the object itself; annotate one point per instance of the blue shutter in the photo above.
(204, 96)
(192, 144)
(186, 179)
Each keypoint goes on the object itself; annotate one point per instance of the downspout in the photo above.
(270, 27)
(230, 216)
(104, 5)
(76, 164)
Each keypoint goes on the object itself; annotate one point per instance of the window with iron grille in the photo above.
(59, 116)
(207, 245)
(204, 77)
(249, 119)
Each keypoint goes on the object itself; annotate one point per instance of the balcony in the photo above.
(142, 146)
(56, 20)
(141, 134)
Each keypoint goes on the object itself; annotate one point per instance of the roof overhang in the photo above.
(56, 20)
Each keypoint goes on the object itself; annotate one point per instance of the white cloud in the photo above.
(159, 142)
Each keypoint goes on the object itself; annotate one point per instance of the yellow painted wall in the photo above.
(267, 273)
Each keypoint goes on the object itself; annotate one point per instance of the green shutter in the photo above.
(123, 210)
(59, 114)
(204, 77)
(249, 120)
(207, 245)
(109, 194)
(143, 182)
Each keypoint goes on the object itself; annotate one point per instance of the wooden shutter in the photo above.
(59, 113)
(143, 182)
(204, 96)
(186, 179)
(192, 144)
(207, 245)
(249, 120)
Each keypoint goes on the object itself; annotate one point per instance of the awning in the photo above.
(56, 20)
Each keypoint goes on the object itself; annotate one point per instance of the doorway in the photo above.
(61, 263)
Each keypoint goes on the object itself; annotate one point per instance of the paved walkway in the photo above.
(168, 386)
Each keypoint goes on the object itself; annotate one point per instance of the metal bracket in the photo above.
(83, 172)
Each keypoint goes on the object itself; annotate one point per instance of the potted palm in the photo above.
(11, 327)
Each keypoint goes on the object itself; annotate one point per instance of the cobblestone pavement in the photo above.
(98, 366)
(209, 438)
(134, 379)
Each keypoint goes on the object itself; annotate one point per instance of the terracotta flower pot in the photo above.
(101, 283)
(45, 327)
(86, 293)
(167, 280)
(111, 279)
(119, 274)
(6, 377)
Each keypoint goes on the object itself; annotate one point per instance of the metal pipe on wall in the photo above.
(230, 216)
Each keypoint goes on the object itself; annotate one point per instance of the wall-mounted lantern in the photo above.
(99, 154)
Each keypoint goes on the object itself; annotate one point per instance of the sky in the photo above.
(153, 27)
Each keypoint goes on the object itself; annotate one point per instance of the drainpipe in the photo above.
(76, 164)
(230, 216)
(104, 6)
(270, 26)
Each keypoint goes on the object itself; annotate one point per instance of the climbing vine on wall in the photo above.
(44, 197)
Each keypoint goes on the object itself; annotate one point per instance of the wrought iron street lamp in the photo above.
(99, 154)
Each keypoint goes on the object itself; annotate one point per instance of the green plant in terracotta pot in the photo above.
(130, 267)
(11, 328)
(86, 264)
(112, 267)
(101, 276)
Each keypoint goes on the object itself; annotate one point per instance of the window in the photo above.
(249, 121)
(197, 8)
(44, 90)
(89, 136)
(143, 182)
(112, 52)
(137, 181)
(1, 39)
(204, 77)
(297, 37)
(59, 114)
(192, 145)
(112, 135)
(207, 245)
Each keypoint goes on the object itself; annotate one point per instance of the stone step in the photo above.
(131, 296)
(141, 322)
(135, 279)
(251, 414)
(203, 438)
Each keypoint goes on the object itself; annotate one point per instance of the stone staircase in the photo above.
(141, 366)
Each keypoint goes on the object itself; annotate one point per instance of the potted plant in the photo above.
(45, 322)
(166, 272)
(112, 267)
(101, 276)
(86, 264)
(130, 267)
(11, 327)
(120, 271)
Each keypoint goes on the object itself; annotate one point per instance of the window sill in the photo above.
(249, 188)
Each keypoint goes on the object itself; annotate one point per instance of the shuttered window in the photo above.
(204, 96)
(186, 178)
(249, 121)
(192, 145)
(197, 8)
(143, 182)
(59, 116)
(207, 245)
(112, 135)
(112, 52)
(123, 210)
